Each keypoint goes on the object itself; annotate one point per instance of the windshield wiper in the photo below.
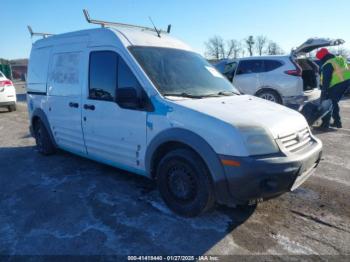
(182, 95)
(227, 93)
(221, 93)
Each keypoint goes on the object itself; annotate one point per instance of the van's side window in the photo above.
(103, 75)
(126, 78)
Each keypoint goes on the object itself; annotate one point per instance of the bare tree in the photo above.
(250, 44)
(215, 48)
(222, 49)
(337, 50)
(274, 49)
(260, 44)
(233, 48)
(237, 49)
(343, 52)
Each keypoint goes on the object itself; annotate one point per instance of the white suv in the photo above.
(143, 101)
(8, 97)
(290, 80)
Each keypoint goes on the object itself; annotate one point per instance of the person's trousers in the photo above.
(335, 93)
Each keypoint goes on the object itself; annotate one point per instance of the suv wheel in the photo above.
(184, 183)
(12, 108)
(270, 95)
(42, 139)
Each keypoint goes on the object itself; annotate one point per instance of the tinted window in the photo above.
(126, 78)
(220, 66)
(230, 67)
(272, 65)
(250, 66)
(103, 75)
(230, 70)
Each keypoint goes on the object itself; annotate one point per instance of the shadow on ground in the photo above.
(64, 204)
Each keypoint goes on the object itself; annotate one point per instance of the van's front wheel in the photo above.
(184, 183)
(42, 139)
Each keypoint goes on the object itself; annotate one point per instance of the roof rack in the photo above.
(106, 23)
(32, 33)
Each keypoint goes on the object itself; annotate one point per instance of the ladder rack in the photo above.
(106, 23)
(102, 24)
(32, 33)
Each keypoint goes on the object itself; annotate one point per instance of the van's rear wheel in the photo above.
(42, 139)
(184, 183)
(270, 95)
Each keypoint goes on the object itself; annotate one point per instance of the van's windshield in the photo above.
(181, 73)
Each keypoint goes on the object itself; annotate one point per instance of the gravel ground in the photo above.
(64, 204)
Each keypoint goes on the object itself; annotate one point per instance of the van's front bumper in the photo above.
(260, 178)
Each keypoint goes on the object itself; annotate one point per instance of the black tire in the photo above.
(42, 139)
(184, 183)
(270, 95)
(12, 108)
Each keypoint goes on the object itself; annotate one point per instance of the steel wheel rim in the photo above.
(181, 183)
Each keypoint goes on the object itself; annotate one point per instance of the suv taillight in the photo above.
(294, 72)
(6, 83)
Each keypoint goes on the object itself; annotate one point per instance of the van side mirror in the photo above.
(127, 97)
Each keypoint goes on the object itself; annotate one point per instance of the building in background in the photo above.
(19, 69)
(14, 69)
(5, 68)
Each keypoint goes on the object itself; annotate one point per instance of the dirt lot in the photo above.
(64, 204)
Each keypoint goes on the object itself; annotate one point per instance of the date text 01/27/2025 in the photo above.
(173, 258)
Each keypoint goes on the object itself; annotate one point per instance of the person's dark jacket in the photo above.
(327, 72)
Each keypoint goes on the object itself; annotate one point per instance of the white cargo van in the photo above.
(140, 100)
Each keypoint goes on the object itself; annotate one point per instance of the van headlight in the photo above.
(258, 141)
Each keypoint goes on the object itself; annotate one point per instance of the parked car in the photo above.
(8, 97)
(129, 98)
(289, 79)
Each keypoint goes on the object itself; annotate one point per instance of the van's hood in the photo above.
(245, 110)
(314, 43)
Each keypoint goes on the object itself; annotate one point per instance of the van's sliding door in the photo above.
(65, 80)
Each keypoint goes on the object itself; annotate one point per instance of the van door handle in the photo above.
(72, 104)
(89, 107)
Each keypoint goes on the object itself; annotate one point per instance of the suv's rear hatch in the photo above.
(309, 69)
(314, 43)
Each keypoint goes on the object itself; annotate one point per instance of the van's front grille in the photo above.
(297, 141)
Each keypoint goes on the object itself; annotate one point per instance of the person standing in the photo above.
(335, 80)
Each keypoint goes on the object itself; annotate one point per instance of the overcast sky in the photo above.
(287, 22)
